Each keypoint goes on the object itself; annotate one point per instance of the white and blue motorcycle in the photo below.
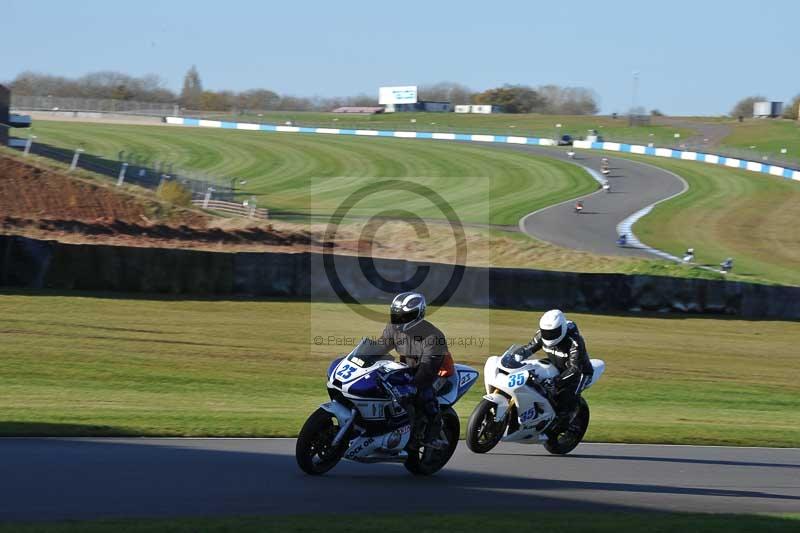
(518, 406)
(367, 418)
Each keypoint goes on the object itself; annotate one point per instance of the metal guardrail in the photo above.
(143, 175)
(245, 209)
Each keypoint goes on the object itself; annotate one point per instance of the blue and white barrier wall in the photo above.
(367, 133)
(753, 166)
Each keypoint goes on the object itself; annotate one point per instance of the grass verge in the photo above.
(729, 212)
(86, 365)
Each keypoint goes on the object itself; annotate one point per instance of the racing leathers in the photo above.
(422, 347)
(569, 356)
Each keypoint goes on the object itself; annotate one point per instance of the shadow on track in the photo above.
(52, 479)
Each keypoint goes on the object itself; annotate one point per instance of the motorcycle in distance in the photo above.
(518, 408)
(368, 419)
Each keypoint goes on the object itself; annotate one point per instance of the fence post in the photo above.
(252, 206)
(28, 144)
(75, 158)
(207, 197)
(121, 177)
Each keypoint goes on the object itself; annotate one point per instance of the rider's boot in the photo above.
(432, 433)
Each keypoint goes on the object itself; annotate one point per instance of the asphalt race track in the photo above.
(53, 479)
(634, 186)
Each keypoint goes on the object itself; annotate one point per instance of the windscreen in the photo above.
(367, 352)
(508, 361)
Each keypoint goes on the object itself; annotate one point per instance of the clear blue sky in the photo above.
(695, 57)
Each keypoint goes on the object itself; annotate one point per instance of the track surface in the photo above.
(633, 186)
(52, 479)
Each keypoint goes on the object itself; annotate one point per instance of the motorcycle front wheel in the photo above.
(424, 462)
(483, 432)
(314, 451)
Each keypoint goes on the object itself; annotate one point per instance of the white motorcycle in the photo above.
(367, 421)
(518, 408)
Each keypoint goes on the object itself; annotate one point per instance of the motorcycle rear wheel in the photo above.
(563, 442)
(424, 462)
(314, 451)
(483, 433)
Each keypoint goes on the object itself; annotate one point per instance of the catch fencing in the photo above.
(150, 177)
(99, 105)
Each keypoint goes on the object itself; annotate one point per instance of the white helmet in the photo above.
(553, 327)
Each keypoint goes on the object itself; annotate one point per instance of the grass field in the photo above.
(82, 365)
(596, 522)
(304, 172)
(301, 173)
(767, 136)
(726, 212)
(531, 125)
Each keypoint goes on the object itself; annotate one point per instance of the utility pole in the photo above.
(635, 90)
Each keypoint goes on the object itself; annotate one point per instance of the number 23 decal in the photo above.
(346, 371)
(515, 380)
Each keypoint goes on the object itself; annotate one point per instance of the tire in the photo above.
(427, 462)
(313, 451)
(483, 433)
(566, 441)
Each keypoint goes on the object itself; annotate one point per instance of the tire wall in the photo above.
(37, 264)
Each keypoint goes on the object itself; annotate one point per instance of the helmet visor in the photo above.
(400, 317)
(551, 334)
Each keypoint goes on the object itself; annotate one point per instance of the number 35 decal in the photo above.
(515, 380)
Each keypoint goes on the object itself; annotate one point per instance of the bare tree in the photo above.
(192, 92)
(744, 107)
(446, 91)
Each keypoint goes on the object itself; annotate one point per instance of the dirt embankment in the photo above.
(42, 202)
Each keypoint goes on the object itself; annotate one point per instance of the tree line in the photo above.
(547, 99)
(744, 107)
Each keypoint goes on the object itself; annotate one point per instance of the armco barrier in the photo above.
(753, 166)
(48, 264)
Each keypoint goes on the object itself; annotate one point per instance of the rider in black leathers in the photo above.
(566, 350)
(421, 346)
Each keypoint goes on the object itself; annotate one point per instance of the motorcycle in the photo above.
(368, 418)
(518, 407)
(578, 208)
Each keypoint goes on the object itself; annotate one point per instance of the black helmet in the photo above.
(407, 310)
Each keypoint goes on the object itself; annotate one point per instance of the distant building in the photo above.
(483, 109)
(767, 109)
(359, 110)
(421, 106)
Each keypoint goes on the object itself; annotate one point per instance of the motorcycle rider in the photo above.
(566, 350)
(421, 346)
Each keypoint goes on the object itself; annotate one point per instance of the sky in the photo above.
(693, 57)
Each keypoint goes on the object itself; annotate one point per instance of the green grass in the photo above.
(597, 522)
(83, 365)
(304, 172)
(728, 212)
(530, 125)
(767, 136)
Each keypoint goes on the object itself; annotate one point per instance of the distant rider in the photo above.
(423, 348)
(566, 350)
